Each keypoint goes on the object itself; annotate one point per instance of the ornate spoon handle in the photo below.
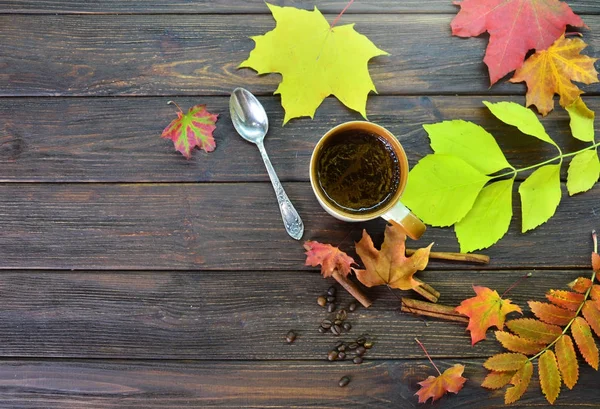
(291, 218)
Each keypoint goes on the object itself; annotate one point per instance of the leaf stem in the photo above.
(537, 165)
(427, 354)
(516, 283)
(340, 15)
(587, 294)
(175, 103)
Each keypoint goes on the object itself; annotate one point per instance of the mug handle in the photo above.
(411, 224)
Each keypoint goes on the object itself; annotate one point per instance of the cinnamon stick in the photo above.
(466, 257)
(427, 291)
(352, 289)
(431, 310)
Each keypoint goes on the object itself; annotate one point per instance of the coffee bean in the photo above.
(336, 330)
(361, 350)
(290, 337)
(342, 355)
(352, 307)
(347, 326)
(331, 290)
(353, 345)
(331, 298)
(338, 322)
(361, 340)
(344, 381)
(332, 355)
(342, 347)
(330, 307)
(341, 314)
(357, 360)
(369, 344)
(338, 345)
(321, 301)
(326, 324)
(322, 330)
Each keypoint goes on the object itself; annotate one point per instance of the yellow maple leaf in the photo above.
(314, 60)
(551, 71)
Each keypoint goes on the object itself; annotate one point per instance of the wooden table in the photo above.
(132, 278)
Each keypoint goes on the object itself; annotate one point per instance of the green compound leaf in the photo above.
(584, 171)
(468, 141)
(582, 121)
(488, 220)
(442, 189)
(523, 118)
(540, 196)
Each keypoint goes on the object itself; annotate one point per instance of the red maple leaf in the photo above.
(330, 258)
(515, 27)
(192, 129)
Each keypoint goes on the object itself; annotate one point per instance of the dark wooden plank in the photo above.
(245, 7)
(229, 226)
(189, 55)
(149, 385)
(231, 315)
(117, 140)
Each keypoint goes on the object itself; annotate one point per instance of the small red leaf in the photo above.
(435, 387)
(192, 129)
(565, 299)
(550, 313)
(330, 258)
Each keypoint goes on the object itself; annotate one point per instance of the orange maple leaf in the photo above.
(487, 309)
(436, 386)
(329, 257)
(390, 265)
(551, 71)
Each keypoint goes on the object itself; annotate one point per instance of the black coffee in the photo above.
(358, 171)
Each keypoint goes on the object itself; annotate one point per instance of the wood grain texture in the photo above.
(117, 140)
(233, 315)
(231, 227)
(245, 7)
(160, 385)
(197, 55)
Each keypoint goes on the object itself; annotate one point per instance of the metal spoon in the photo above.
(250, 121)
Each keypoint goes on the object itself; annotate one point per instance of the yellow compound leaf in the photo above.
(497, 380)
(314, 60)
(534, 330)
(580, 284)
(520, 381)
(551, 314)
(505, 362)
(592, 316)
(549, 376)
(582, 334)
(567, 360)
(551, 71)
(517, 344)
(565, 299)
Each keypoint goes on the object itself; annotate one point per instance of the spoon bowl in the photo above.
(250, 121)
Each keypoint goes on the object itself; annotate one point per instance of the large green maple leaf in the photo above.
(315, 61)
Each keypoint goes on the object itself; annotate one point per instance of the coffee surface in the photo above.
(358, 171)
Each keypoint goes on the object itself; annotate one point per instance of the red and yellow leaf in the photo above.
(565, 299)
(549, 375)
(596, 264)
(485, 310)
(330, 258)
(534, 330)
(497, 380)
(551, 71)
(192, 129)
(390, 265)
(435, 387)
(580, 285)
(592, 316)
(567, 360)
(515, 27)
(505, 362)
(582, 334)
(520, 381)
(550, 313)
(595, 295)
(517, 344)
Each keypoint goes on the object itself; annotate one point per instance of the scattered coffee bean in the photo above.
(357, 360)
(331, 298)
(290, 337)
(361, 340)
(338, 322)
(332, 356)
(321, 300)
(353, 345)
(331, 290)
(352, 307)
(326, 324)
(341, 355)
(342, 347)
(361, 350)
(347, 326)
(344, 381)
(338, 345)
(336, 330)
(368, 344)
(341, 314)
(330, 307)
(322, 330)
